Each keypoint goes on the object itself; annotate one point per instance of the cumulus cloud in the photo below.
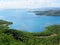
(28, 3)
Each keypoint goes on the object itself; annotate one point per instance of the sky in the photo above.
(29, 4)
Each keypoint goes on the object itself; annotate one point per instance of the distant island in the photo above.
(48, 12)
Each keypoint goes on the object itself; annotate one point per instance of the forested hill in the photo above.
(48, 12)
(51, 35)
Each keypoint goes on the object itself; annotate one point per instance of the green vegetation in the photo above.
(48, 12)
(51, 36)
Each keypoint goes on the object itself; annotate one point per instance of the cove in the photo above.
(26, 21)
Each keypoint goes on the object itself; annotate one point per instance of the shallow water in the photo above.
(26, 21)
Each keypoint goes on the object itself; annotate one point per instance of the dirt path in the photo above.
(46, 36)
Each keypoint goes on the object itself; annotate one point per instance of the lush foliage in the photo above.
(51, 36)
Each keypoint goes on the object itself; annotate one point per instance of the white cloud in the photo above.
(27, 3)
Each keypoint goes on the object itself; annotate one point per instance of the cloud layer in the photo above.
(28, 3)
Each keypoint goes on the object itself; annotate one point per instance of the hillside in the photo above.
(51, 36)
(48, 12)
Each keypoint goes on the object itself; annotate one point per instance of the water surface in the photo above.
(26, 21)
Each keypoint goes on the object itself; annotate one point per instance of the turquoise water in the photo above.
(26, 21)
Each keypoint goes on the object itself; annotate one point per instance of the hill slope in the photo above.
(15, 37)
(48, 12)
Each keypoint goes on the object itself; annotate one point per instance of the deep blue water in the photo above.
(26, 21)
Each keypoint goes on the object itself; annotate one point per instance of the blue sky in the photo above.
(30, 4)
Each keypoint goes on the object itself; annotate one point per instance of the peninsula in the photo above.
(48, 12)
